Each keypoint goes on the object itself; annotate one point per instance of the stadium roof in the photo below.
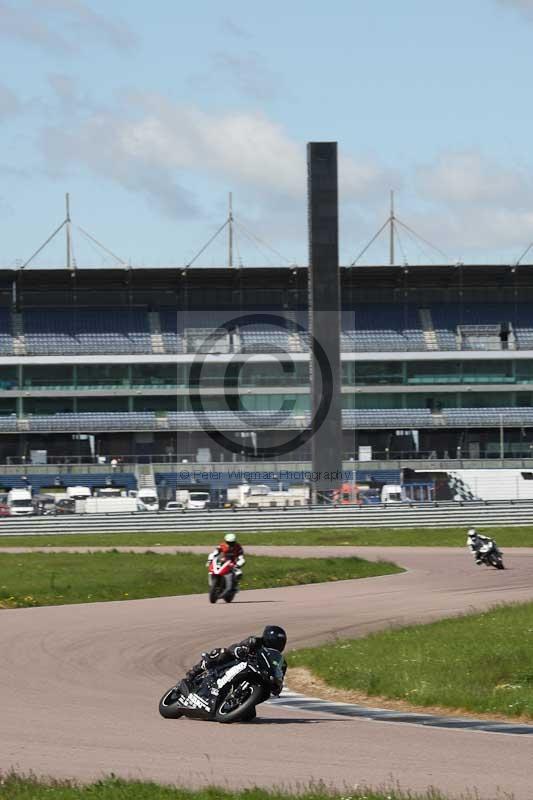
(445, 275)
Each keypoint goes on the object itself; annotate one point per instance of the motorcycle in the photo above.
(491, 556)
(231, 692)
(223, 577)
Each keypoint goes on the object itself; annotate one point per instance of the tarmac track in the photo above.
(79, 686)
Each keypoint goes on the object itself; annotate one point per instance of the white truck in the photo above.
(106, 505)
(390, 494)
(147, 500)
(19, 502)
(78, 492)
(262, 496)
(192, 499)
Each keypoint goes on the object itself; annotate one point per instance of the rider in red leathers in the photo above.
(233, 551)
(230, 547)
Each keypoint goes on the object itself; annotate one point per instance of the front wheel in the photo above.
(239, 702)
(169, 706)
(214, 590)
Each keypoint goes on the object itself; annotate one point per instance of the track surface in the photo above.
(79, 686)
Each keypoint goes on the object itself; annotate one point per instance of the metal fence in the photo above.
(276, 519)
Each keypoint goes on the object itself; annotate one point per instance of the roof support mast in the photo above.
(391, 223)
(68, 232)
(230, 230)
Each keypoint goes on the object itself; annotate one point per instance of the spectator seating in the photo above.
(94, 421)
(6, 339)
(384, 327)
(38, 481)
(81, 330)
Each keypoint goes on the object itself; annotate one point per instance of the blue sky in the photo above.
(150, 113)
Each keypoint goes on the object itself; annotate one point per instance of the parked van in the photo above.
(19, 502)
(147, 500)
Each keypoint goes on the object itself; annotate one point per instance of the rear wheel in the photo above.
(228, 597)
(239, 702)
(169, 706)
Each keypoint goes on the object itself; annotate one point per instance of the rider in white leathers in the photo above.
(475, 542)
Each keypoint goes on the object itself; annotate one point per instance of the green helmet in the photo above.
(230, 538)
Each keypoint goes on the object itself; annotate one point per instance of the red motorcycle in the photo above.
(223, 577)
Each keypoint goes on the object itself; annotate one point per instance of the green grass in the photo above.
(479, 663)
(382, 537)
(13, 787)
(38, 579)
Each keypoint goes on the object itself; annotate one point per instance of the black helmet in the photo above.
(274, 637)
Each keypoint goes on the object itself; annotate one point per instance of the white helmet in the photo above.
(471, 533)
(230, 538)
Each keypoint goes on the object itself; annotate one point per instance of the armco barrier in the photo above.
(404, 516)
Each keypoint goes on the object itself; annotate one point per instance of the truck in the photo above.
(192, 499)
(391, 493)
(106, 505)
(262, 496)
(354, 494)
(78, 492)
(147, 500)
(20, 503)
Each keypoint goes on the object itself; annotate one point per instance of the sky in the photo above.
(150, 114)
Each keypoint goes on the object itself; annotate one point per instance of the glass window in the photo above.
(427, 372)
(488, 372)
(8, 378)
(155, 403)
(372, 401)
(295, 404)
(376, 372)
(8, 405)
(48, 405)
(48, 376)
(435, 401)
(524, 371)
(96, 376)
(485, 399)
(157, 375)
(102, 404)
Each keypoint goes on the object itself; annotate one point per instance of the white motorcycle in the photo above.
(490, 555)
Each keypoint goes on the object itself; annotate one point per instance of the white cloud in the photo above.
(525, 6)
(469, 177)
(474, 233)
(229, 26)
(246, 74)
(9, 103)
(84, 19)
(152, 145)
(22, 24)
(61, 25)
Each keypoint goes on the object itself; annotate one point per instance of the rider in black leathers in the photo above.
(273, 636)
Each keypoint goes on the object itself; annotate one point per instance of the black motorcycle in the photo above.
(491, 556)
(231, 692)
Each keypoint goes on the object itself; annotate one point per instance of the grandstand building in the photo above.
(207, 366)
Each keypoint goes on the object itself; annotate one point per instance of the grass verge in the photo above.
(478, 663)
(13, 787)
(382, 537)
(42, 579)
